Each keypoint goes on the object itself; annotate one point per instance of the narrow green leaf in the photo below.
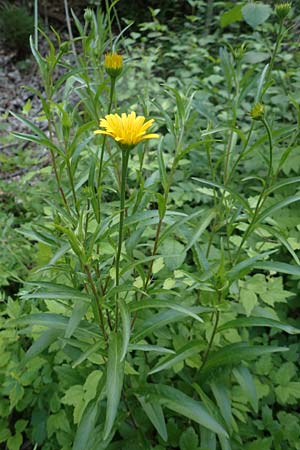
(223, 400)
(235, 353)
(188, 350)
(157, 321)
(258, 322)
(191, 311)
(246, 381)
(149, 348)
(235, 195)
(56, 291)
(261, 83)
(50, 320)
(161, 166)
(77, 315)
(269, 211)
(275, 266)
(182, 404)
(115, 374)
(92, 349)
(86, 427)
(201, 228)
(43, 342)
(245, 266)
(156, 416)
(126, 325)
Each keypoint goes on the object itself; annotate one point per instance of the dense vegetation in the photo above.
(149, 291)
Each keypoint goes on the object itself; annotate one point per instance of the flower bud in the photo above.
(257, 112)
(282, 10)
(88, 14)
(113, 64)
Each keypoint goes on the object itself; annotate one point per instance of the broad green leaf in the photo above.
(189, 440)
(258, 322)
(173, 253)
(182, 404)
(115, 374)
(231, 16)
(254, 57)
(155, 414)
(256, 13)
(248, 299)
(188, 350)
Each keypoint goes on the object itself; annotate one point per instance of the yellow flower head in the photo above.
(127, 130)
(113, 64)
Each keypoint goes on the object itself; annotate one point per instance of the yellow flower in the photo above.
(113, 64)
(127, 130)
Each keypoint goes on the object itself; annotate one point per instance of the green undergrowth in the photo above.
(170, 322)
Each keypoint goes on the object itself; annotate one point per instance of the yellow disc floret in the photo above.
(127, 130)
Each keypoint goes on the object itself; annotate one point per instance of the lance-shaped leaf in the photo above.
(115, 375)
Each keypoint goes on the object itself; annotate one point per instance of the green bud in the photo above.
(88, 14)
(257, 112)
(282, 10)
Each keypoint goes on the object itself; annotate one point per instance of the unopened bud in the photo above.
(282, 10)
(113, 64)
(257, 112)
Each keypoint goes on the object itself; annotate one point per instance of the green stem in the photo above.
(111, 96)
(210, 343)
(96, 303)
(262, 198)
(125, 157)
(278, 42)
(72, 185)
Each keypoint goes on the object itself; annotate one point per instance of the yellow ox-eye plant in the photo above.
(127, 130)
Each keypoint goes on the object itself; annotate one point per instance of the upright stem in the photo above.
(261, 198)
(111, 96)
(125, 157)
(36, 24)
(278, 42)
(69, 26)
(97, 305)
